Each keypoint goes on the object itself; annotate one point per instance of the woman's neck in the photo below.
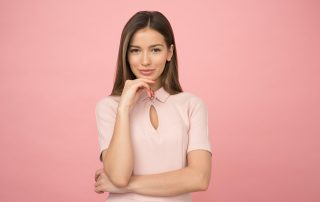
(155, 86)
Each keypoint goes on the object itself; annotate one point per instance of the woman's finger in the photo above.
(97, 184)
(98, 190)
(150, 93)
(142, 84)
(146, 80)
(97, 174)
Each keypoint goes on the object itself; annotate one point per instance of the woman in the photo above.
(153, 136)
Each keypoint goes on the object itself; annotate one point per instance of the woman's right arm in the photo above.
(118, 158)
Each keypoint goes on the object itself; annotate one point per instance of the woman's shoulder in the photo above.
(188, 97)
(108, 101)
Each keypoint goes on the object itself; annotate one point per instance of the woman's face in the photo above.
(148, 53)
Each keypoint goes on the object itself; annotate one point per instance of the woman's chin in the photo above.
(146, 77)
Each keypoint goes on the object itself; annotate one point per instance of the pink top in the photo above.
(183, 127)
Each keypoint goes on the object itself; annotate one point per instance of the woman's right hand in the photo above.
(103, 184)
(132, 91)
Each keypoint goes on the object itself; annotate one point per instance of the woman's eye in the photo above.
(156, 50)
(134, 50)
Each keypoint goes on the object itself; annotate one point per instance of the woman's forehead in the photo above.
(147, 37)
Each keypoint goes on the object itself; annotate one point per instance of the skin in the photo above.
(147, 50)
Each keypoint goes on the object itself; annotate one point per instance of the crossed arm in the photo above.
(194, 177)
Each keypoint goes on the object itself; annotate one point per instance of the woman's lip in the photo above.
(146, 72)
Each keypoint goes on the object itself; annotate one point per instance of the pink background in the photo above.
(255, 63)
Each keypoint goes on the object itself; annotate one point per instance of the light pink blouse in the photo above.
(183, 127)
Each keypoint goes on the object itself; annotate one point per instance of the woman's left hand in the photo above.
(103, 184)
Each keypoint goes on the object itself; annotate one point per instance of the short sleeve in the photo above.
(198, 129)
(105, 119)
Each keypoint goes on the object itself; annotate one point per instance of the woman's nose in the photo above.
(145, 59)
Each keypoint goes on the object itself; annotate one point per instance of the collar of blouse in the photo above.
(161, 94)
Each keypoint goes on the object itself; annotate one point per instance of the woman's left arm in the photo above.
(194, 177)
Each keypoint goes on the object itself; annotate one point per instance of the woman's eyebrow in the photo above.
(135, 46)
(155, 45)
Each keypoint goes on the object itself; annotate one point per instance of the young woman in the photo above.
(153, 136)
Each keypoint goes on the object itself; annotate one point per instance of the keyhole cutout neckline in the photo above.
(153, 115)
(160, 96)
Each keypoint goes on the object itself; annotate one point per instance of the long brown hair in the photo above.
(157, 21)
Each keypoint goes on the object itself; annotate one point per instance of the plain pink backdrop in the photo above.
(255, 63)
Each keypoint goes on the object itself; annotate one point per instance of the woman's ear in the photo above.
(170, 53)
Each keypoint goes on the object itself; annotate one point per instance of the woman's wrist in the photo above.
(130, 188)
(123, 109)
